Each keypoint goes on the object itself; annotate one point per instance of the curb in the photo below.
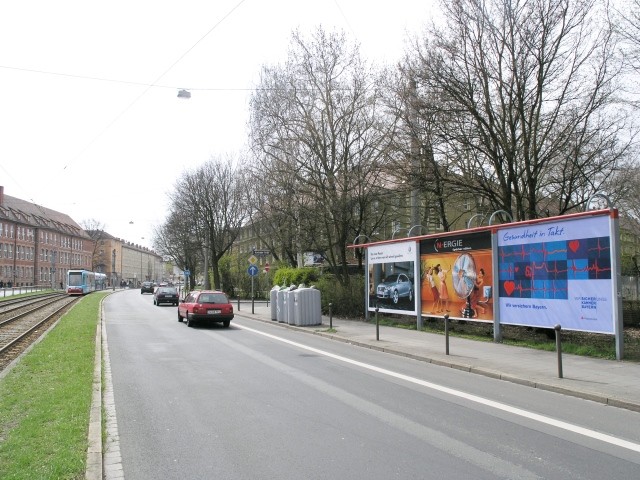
(94, 451)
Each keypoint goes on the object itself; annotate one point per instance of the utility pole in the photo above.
(415, 155)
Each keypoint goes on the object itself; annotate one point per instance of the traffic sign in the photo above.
(253, 260)
(266, 267)
(261, 253)
(253, 270)
(187, 273)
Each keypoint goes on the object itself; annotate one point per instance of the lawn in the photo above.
(45, 400)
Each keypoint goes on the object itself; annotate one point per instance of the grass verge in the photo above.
(45, 401)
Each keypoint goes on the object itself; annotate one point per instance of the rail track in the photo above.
(23, 321)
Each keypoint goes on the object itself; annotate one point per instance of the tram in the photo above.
(81, 282)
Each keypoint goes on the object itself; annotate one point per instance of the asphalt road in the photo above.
(257, 401)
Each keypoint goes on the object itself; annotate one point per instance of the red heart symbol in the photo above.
(574, 245)
(509, 287)
(517, 269)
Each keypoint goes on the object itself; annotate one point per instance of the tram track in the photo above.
(21, 326)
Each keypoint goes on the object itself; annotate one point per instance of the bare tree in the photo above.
(176, 239)
(627, 23)
(319, 136)
(100, 259)
(274, 210)
(525, 108)
(628, 26)
(211, 198)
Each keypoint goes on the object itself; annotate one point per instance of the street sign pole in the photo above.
(253, 271)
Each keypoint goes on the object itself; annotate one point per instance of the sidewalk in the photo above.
(606, 381)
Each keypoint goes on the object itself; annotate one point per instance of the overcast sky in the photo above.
(83, 132)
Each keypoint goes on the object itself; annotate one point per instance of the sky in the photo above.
(90, 122)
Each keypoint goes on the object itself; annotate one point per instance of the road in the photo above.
(259, 401)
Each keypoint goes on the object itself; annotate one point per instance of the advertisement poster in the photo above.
(557, 273)
(457, 276)
(391, 280)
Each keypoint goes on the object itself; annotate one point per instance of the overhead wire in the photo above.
(152, 85)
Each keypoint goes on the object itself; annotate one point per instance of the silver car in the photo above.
(395, 287)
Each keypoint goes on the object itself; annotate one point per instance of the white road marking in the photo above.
(467, 396)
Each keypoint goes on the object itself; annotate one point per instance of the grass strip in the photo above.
(45, 401)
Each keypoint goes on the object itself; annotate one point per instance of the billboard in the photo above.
(392, 277)
(557, 272)
(457, 276)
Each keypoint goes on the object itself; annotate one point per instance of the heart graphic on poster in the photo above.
(517, 269)
(509, 287)
(574, 245)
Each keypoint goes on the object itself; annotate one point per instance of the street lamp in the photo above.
(141, 238)
(184, 94)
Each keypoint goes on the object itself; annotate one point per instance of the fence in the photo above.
(7, 292)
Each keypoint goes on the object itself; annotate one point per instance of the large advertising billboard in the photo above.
(392, 277)
(557, 272)
(457, 276)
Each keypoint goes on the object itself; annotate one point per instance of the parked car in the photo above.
(165, 295)
(146, 287)
(394, 287)
(205, 306)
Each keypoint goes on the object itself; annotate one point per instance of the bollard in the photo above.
(377, 325)
(330, 317)
(238, 302)
(446, 334)
(557, 328)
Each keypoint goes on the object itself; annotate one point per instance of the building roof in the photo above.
(21, 211)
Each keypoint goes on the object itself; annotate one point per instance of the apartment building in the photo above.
(39, 245)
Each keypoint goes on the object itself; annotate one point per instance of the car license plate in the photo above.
(213, 312)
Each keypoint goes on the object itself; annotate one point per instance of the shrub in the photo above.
(296, 276)
(345, 301)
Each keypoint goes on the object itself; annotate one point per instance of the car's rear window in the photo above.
(168, 290)
(213, 298)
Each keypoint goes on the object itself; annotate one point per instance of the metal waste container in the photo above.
(290, 306)
(307, 307)
(273, 298)
(280, 307)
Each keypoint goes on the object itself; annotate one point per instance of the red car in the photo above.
(205, 306)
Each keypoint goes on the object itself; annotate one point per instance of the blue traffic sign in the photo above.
(253, 270)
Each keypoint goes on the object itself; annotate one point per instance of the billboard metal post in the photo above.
(446, 334)
(497, 332)
(366, 272)
(616, 277)
(558, 328)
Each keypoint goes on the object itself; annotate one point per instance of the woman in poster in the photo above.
(434, 291)
(477, 291)
(443, 292)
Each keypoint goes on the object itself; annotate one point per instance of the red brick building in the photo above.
(39, 245)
